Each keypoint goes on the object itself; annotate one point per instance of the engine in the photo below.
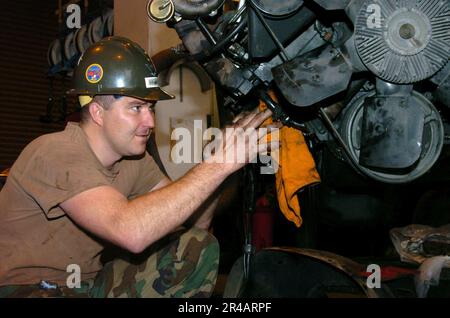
(371, 76)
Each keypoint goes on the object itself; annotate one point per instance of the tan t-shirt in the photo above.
(37, 239)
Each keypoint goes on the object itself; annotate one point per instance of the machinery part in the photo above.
(249, 210)
(443, 92)
(307, 41)
(332, 4)
(199, 40)
(391, 132)
(160, 10)
(300, 273)
(108, 21)
(441, 76)
(312, 77)
(442, 79)
(432, 138)
(206, 31)
(54, 53)
(386, 88)
(69, 46)
(164, 59)
(217, 46)
(193, 39)
(95, 30)
(280, 31)
(348, 155)
(404, 43)
(278, 8)
(268, 29)
(116, 65)
(392, 127)
(223, 71)
(192, 9)
(82, 39)
(278, 113)
(352, 55)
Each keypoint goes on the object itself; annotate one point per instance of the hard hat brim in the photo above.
(153, 94)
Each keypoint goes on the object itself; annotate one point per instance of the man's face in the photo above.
(128, 124)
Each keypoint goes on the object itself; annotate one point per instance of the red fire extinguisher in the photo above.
(262, 230)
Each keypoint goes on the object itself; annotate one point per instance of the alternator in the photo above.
(403, 41)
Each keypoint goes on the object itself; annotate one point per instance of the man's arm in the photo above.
(135, 224)
(204, 215)
(201, 218)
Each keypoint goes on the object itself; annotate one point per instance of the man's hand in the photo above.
(241, 142)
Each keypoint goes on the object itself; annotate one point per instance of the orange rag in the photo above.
(297, 170)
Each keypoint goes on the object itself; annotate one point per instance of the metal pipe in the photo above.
(341, 142)
(198, 8)
(278, 112)
(205, 31)
(220, 45)
(241, 8)
(283, 53)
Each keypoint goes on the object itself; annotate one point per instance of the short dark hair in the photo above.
(104, 100)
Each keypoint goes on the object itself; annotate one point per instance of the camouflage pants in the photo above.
(183, 264)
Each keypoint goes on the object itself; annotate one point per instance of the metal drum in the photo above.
(290, 272)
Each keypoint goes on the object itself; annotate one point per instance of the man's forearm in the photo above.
(155, 214)
(205, 213)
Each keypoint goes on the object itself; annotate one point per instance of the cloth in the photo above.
(425, 245)
(184, 264)
(37, 240)
(297, 170)
(415, 243)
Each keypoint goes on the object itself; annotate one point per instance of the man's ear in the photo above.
(97, 111)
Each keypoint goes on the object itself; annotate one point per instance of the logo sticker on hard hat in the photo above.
(94, 73)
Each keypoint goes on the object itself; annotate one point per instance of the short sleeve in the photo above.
(54, 176)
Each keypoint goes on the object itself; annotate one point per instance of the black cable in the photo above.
(249, 209)
(278, 112)
(205, 31)
(221, 44)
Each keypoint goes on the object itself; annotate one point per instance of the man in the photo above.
(72, 194)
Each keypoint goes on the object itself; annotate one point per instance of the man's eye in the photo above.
(136, 108)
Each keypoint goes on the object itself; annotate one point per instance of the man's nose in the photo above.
(149, 118)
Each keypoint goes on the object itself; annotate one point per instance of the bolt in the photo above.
(316, 77)
(379, 129)
(407, 31)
